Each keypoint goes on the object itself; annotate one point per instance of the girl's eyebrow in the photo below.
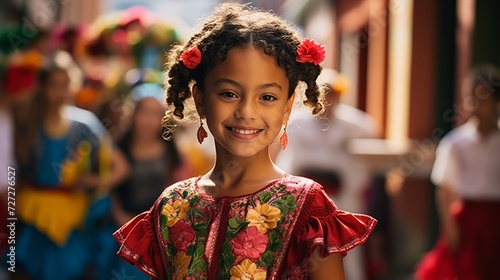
(236, 84)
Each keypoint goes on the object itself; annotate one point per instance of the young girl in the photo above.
(245, 218)
(467, 175)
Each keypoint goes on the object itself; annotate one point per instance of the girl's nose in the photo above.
(246, 110)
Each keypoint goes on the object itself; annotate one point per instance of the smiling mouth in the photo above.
(244, 131)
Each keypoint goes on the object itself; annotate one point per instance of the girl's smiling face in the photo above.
(245, 101)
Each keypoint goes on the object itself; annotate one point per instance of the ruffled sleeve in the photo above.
(139, 247)
(323, 224)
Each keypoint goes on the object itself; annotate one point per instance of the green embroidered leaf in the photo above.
(199, 266)
(264, 197)
(274, 236)
(163, 220)
(170, 272)
(190, 250)
(275, 243)
(282, 205)
(165, 233)
(267, 258)
(201, 229)
(193, 200)
(163, 201)
(185, 194)
(234, 226)
(226, 248)
(260, 263)
(197, 213)
(170, 251)
(199, 250)
(233, 223)
(290, 201)
(228, 262)
(276, 246)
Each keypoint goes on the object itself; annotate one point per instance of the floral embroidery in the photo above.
(310, 51)
(180, 263)
(247, 270)
(250, 244)
(191, 57)
(263, 217)
(175, 212)
(252, 241)
(182, 234)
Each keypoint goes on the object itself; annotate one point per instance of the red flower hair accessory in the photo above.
(310, 51)
(191, 57)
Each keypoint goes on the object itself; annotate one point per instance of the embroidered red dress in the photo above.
(269, 234)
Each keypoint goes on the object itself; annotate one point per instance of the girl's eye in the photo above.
(228, 94)
(268, 97)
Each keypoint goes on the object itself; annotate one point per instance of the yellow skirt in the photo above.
(53, 213)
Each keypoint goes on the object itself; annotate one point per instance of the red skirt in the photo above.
(478, 256)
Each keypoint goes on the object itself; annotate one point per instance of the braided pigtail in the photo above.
(314, 94)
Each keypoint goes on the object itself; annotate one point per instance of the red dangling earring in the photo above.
(202, 133)
(284, 139)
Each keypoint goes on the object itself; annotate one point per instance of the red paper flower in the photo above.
(182, 235)
(191, 57)
(250, 243)
(310, 51)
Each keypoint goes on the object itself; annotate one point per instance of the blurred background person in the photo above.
(467, 175)
(65, 167)
(318, 149)
(155, 162)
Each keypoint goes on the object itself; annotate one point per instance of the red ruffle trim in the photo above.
(336, 231)
(139, 245)
(339, 234)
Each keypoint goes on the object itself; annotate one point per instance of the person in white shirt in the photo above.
(467, 175)
(317, 148)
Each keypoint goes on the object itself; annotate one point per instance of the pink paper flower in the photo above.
(310, 51)
(182, 234)
(191, 57)
(250, 243)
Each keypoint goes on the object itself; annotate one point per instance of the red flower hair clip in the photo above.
(310, 51)
(191, 57)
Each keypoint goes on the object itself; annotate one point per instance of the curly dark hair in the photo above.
(233, 25)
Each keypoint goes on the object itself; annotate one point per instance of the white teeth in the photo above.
(244, 131)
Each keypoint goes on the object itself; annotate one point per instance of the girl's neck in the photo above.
(235, 176)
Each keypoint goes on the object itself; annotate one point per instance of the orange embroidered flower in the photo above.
(181, 263)
(263, 217)
(310, 51)
(247, 270)
(175, 212)
(191, 57)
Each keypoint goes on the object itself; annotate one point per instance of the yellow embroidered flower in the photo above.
(175, 212)
(181, 263)
(247, 270)
(263, 217)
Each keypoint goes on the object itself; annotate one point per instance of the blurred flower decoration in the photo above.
(22, 72)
